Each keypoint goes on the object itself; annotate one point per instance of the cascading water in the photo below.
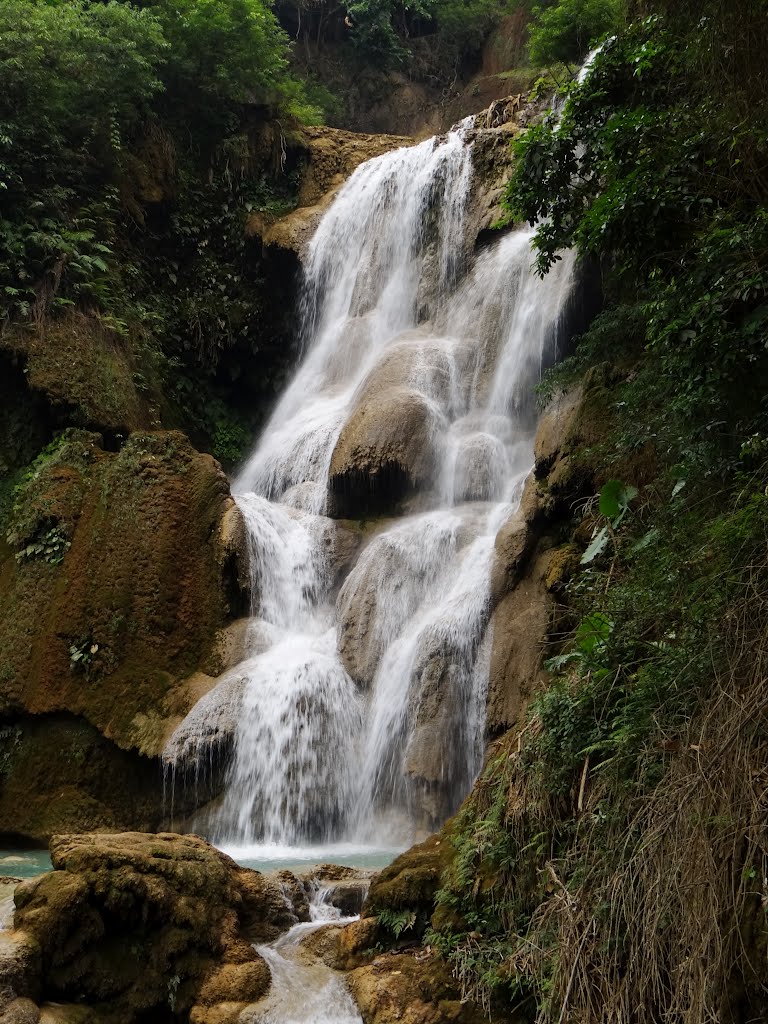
(304, 989)
(365, 708)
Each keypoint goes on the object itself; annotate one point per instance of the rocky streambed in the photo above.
(137, 927)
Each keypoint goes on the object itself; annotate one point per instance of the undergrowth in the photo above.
(612, 863)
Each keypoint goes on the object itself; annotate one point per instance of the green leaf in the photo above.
(648, 538)
(592, 631)
(615, 498)
(609, 499)
(556, 663)
(598, 545)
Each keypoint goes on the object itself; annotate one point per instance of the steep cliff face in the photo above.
(116, 580)
(436, 83)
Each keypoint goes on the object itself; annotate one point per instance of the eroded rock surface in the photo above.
(121, 580)
(330, 155)
(118, 588)
(133, 924)
(411, 987)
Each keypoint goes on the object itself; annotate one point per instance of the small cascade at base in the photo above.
(304, 990)
(359, 709)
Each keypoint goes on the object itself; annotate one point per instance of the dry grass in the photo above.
(671, 924)
(658, 912)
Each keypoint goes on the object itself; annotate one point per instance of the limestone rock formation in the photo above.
(569, 426)
(62, 773)
(411, 881)
(392, 439)
(414, 987)
(384, 452)
(132, 924)
(520, 625)
(118, 586)
(514, 542)
(329, 156)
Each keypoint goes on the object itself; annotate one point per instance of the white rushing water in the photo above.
(360, 709)
(304, 990)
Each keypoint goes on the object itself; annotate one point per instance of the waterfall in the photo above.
(361, 703)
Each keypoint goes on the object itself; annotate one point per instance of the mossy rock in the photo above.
(109, 623)
(411, 881)
(93, 376)
(563, 562)
(135, 924)
(58, 772)
(417, 987)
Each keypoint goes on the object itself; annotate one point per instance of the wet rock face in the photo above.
(384, 453)
(20, 966)
(136, 924)
(393, 438)
(520, 625)
(60, 773)
(122, 573)
(328, 156)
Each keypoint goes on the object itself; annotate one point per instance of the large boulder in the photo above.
(411, 987)
(411, 881)
(135, 924)
(386, 451)
(393, 438)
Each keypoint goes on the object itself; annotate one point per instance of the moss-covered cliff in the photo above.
(115, 580)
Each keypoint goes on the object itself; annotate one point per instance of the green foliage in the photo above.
(382, 28)
(614, 501)
(397, 921)
(658, 182)
(563, 32)
(50, 545)
(81, 81)
(584, 828)
(130, 160)
(82, 653)
(198, 289)
(76, 80)
(222, 54)
(615, 336)
(550, 833)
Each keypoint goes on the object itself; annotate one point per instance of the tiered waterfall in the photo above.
(372, 501)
